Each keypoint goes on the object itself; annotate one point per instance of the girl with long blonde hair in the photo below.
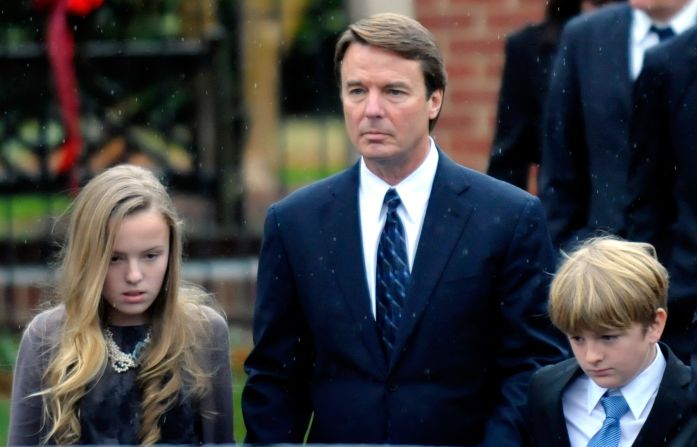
(130, 354)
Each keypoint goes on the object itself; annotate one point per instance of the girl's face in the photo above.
(137, 268)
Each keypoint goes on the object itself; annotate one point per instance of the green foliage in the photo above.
(238, 380)
(116, 19)
(325, 19)
(4, 418)
(133, 19)
(29, 216)
(294, 178)
(8, 351)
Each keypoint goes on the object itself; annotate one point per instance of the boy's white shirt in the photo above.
(585, 415)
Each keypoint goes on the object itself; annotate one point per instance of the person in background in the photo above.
(623, 387)
(585, 143)
(401, 301)
(529, 54)
(130, 354)
(663, 205)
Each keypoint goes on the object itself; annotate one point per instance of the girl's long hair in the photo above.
(170, 367)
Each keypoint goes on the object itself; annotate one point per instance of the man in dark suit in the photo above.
(417, 321)
(609, 297)
(662, 178)
(529, 55)
(585, 150)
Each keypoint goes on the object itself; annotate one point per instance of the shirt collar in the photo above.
(414, 190)
(684, 19)
(638, 391)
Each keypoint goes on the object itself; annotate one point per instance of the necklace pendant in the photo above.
(120, 361)
(121, 366)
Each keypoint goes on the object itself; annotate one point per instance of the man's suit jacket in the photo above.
(585, 149)
(474, 326)
(663, 179)
(669, 415)
(524, 83)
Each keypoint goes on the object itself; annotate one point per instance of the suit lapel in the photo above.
(341, 223)
(671, 405)
(618, 55)
(686, 70)
(446, 215)
(552, 403)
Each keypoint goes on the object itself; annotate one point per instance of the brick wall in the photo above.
(471, 34)
(24, 290)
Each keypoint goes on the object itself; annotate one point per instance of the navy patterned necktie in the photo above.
(662, 33)
(392, 273)
(609, 434)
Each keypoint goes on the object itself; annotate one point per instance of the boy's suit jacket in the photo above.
(670, 413)
(473, 332)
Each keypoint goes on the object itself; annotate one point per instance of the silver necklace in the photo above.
(120, 361)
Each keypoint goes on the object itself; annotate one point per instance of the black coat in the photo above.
(663, 175)
(524, 83)
(585, 150)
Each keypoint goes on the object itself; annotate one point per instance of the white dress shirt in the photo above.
(584, 413)
(641, 39)
(414, 191)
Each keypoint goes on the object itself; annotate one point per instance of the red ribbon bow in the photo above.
(79, 7)
(61, 49)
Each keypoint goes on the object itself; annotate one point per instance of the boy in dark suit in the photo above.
(624, 387)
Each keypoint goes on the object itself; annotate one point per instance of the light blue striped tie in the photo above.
(392, 274)
(609, 434)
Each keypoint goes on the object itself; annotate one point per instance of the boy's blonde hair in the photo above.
(608, 284)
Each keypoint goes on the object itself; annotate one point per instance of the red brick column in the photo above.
(471, 34)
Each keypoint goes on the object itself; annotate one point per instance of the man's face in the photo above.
(612, 359)
(659, 10)
(386, 109)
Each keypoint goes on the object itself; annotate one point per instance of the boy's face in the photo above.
(612, 359)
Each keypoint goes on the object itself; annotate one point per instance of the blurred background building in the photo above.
(232, 102)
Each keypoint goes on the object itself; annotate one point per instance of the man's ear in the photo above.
(435, 103)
